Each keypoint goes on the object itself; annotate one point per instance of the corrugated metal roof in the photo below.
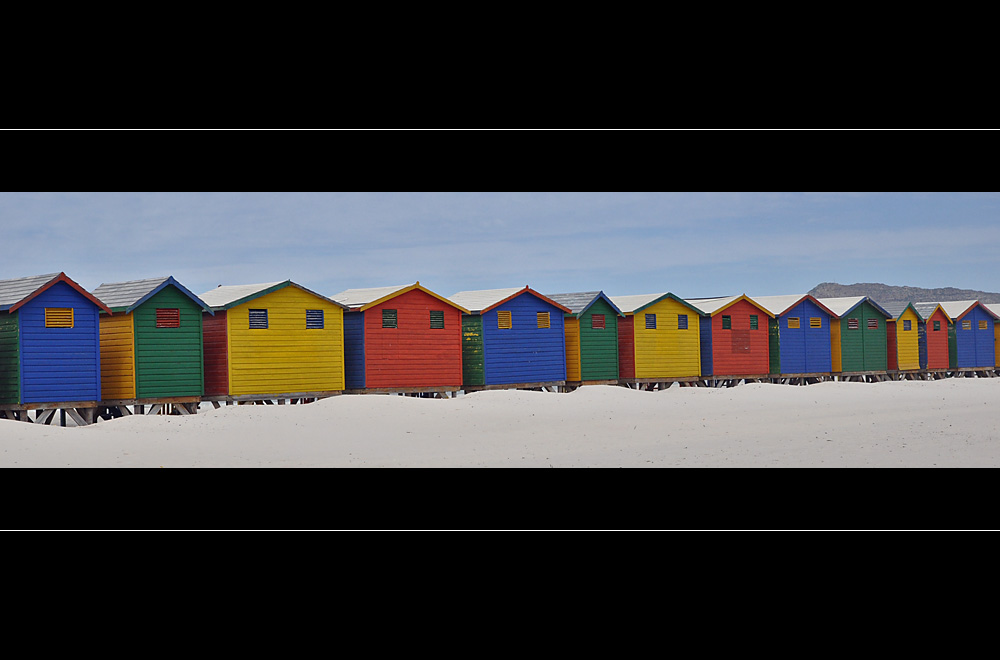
(354, 298)
(896, 309)
(577, 302)
(227, 295)
(16, 290)
(477, 301)
(126, 294)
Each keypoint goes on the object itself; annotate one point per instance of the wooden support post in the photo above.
(75, 415)
(45, 416)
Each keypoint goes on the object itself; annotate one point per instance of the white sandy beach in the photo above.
(948, 423)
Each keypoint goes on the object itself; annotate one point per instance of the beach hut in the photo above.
(512, 338)
(151, 344)
(272, 341)
(857, 335)
(935, 330)
(798, 335)
(50, 347)
(975, 334)
(903, 337)
(658, 339)
(401, 338)
(591, 328)
(733, 336)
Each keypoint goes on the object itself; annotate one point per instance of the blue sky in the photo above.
(693, 244)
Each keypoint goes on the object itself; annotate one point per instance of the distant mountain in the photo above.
(886, 294)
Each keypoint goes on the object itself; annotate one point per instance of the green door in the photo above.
(774, 345)
(473, 371)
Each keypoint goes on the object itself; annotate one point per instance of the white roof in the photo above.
(477, 301)
(16, 290)
(628, 304)
(361, 297)
(778, 304)
(711, 305)
(957, 308)
(225, 295)
(993, 307)
(841, 306)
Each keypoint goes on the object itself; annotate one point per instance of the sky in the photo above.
(692, 244)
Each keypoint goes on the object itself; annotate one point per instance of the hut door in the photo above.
(774, 346)
(922, 342)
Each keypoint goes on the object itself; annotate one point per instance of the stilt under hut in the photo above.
(402, 339)
(858, 336)
(591, 328)
(50, 349)
(659, 339)
(512, 339)
(271, 343)
(151, 347)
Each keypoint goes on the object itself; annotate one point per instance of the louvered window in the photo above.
(258, 319)
(543, 320)
(58, 317)
(966, 325)
(937, 326)
(597, 322)
(504, 321)
(390, 318)
(315, 319)
(982, 325)
(793, 323)
(168, 318)
(815, 322)
(754, 322)
(907, 325)
(727, 322)
(682, 321)
(437, 320)
(651, 321)
(853, 324)
(873, 324)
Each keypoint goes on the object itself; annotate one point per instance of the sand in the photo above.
(949, 423)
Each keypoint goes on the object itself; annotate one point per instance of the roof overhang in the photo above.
(61, 277)
(523, 291)
(407, 289)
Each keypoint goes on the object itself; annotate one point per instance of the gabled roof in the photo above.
(928, 309)
(957, 309)
(480, 302)
(127, 296)
(360, 300)
(16, 293)
(841, 307)
(631, 305)
(779, 305)
(227, 297)
(713, 306)
(579, 303)
(992, 308)
(897, 309)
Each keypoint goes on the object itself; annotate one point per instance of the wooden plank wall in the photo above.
(215, 331)
(169, 361)
(117, 357)
(598, 348)
(524, 353)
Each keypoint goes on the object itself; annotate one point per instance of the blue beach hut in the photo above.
(50, 346)
(800, 335)
(512, 338)
(975, 341)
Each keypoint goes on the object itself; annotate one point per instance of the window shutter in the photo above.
(58, 317)
(873, 324)
(754, 322)
(390, 318)
(504, 321)
(168, 318)
(982, 325)
(966, 325)
(853, 324)
(937, 326)
(727, 322)
(815, 322)
(907, 325)
(258, 319)
(597, 322)
(793, 323)
(682, 321)
(437, 320)
(543, 320)
(315, 319)
(651, 321)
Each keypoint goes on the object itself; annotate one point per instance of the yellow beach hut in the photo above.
(903, 337)
(658, 338)
(272, 341)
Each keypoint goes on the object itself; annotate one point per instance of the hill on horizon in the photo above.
(885, 293)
